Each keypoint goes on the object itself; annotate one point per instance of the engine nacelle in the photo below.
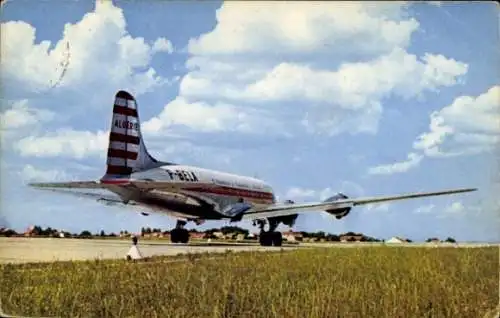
(237, 210)
(339, 212)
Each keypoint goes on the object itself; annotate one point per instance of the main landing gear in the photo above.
(270, 237)
(179, 234)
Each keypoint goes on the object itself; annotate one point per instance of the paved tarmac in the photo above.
(24, 250)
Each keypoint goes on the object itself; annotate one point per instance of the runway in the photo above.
(26, 250)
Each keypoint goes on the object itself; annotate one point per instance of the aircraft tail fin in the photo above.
(127, 152)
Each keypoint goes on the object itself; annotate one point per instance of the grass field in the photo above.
(322, 282)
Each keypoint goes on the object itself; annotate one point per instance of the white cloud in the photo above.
(458, 209)
(79, 73)
(64, 143)
(275, 27)
(29, 173)
(435, 3)
(468, 126)
(94, 54)
(20, 115)
(354, 85)
(270, 74)
(455, 208)
(163, 45)
(197, 115)
(205, 117)
(332, 101)
(325, 70)
(300, 194)
(425, 209)
(412, 161)
(348, 188)
(382, 207)
(19, 119)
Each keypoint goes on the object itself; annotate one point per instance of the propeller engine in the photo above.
(340, 212)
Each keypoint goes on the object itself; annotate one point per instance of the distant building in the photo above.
(218, 235)
(397, 240)
(291, 236)
(29, 231)
(351, 238)
(197, 235)
(433, 240)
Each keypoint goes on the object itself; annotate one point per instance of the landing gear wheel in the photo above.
(270, 239)
(179, 236)
(265, 239)
(277, 238)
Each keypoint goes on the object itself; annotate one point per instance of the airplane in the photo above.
(194, 194)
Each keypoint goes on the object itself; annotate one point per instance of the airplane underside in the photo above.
(187, 207)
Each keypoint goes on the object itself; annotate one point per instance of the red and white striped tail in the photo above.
(126, 151)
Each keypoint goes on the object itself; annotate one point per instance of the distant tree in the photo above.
(209, 236)
(332, 237)
(9, 233)
(212, 230)
(143, 230)
(85, 233)
(319, 235)
(432, 239)
(450, 240)
(352, 234)
(233, 229)
(102, 233)
(37, 230)
(112, 234)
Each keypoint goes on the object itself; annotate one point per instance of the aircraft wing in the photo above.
(283, 209)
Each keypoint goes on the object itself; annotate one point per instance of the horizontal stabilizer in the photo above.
(70, 185)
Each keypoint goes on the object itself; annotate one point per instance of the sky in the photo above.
(315, 98)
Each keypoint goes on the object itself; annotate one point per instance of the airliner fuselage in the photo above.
(196, 193)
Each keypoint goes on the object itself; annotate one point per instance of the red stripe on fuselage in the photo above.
(115, 181)
(234, 192)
